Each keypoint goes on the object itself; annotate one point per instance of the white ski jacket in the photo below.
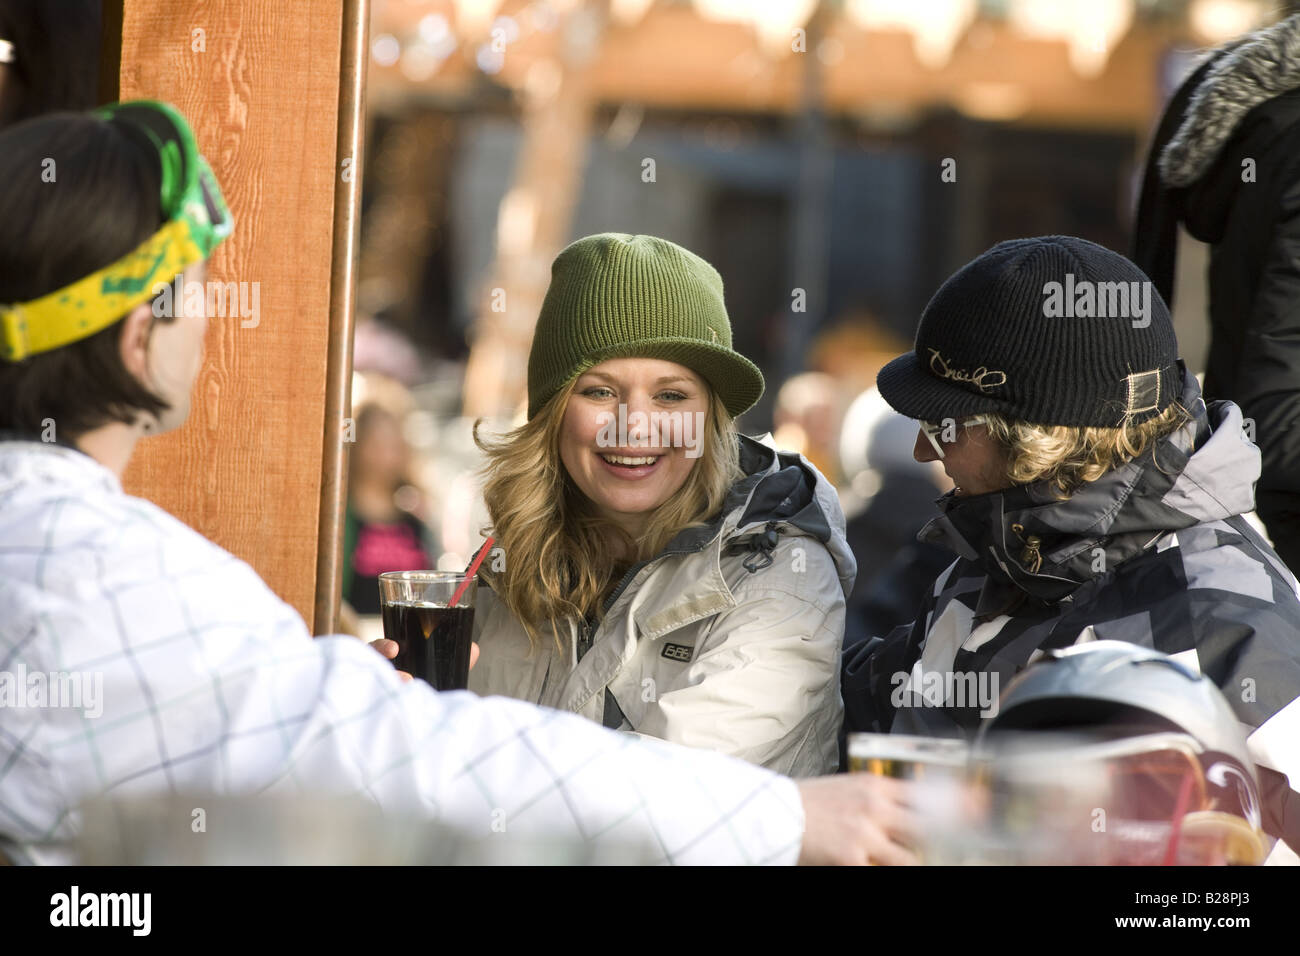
(728, 640)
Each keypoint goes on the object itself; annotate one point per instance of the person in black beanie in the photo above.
(1098, 497)
(1225, 165)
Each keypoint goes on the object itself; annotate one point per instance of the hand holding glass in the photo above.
(435, 639)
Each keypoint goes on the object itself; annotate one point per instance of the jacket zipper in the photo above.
(585, 639)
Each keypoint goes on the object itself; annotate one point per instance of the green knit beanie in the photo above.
(617, 296)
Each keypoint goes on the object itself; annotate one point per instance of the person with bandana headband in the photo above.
(203, 679)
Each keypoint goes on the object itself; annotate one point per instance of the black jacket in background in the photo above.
(1238, 118)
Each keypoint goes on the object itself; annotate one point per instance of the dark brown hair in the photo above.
(56, 57)
(102, 202)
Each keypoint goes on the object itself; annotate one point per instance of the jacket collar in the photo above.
(779, 488)
(1026, 540)
(25, 458)
(697, 589)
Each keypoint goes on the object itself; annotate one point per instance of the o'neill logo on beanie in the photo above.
(981, 377)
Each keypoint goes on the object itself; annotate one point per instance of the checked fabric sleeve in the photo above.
(210, 682)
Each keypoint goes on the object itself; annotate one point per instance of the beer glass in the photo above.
(935, 768)
(905, 757)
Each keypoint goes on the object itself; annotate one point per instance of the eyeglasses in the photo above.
(933, 431)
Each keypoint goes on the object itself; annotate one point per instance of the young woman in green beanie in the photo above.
(662, 573)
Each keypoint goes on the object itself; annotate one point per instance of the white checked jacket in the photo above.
(211, 683)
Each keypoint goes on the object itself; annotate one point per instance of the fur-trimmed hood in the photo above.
(1246, 73)
(1224, 166)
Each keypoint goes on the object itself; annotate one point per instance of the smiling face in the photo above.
(628, 479)
(975, 463)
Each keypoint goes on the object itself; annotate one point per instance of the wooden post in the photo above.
(273, 92)
(354, 56)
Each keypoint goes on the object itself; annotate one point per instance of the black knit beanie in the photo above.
(1053, 331)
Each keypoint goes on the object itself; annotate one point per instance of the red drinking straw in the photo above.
(1180, 810)
(471, 571)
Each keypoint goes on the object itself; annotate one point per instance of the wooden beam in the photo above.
(675, 59)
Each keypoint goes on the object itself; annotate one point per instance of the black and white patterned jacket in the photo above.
(1156, 552)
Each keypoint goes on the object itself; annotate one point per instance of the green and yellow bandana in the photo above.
(198, 221)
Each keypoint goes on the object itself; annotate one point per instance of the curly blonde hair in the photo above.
(1066, 457)
(561, 557)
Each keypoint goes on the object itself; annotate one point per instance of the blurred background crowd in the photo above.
(834, 160)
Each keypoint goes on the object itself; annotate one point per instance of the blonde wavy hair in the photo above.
(1066, 457)
(560, 561)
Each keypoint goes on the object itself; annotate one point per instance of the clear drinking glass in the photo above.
(434, 638)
